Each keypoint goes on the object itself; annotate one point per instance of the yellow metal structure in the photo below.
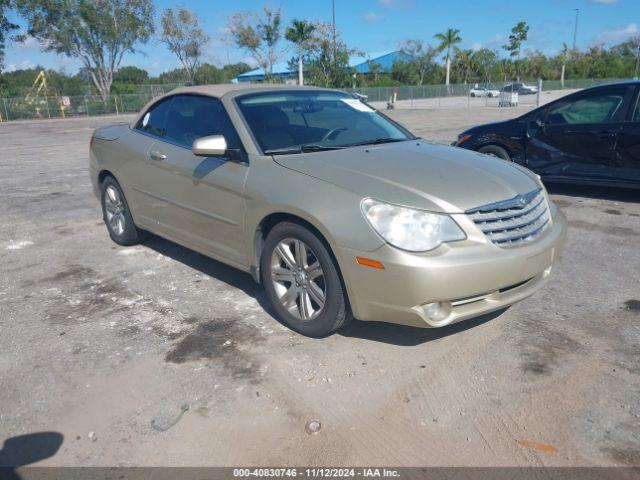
(39, 85)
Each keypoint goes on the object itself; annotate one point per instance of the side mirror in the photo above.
(212, 146)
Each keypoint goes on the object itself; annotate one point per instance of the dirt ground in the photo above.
(155, 355)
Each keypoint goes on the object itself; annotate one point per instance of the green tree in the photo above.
(519, 34)
(300, 33)
(465, 64)
(325, 68)
(97, 32)
(258, 35)
(182, 35)
(448, 40)
(422, 56)
(485, 61)
(127, 79)
(232, 70)
(5, 27)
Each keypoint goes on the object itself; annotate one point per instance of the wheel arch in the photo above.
(266, 224)
(104, 173)
(495, 143)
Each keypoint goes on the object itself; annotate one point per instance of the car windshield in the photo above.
(287, 122)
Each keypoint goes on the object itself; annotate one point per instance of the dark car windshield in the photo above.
(304, 121)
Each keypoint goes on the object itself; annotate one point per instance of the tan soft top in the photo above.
(220, 90)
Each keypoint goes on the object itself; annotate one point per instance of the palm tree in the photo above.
(299, 33)
(565, 51)
(465, 62)
(448, 40)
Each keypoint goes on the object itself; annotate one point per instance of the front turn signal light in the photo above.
(367, 262)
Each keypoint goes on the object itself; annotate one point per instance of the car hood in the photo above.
(417, 174)
(485, 126)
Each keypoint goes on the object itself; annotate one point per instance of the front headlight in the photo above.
(409, 229)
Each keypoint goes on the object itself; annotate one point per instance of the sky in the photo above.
(379, 25)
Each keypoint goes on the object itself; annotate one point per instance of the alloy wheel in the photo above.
(298, 279)
(114, 209)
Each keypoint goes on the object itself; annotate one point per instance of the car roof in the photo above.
(611, 84)
(220, 90)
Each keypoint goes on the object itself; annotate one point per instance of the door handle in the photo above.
(158, 156)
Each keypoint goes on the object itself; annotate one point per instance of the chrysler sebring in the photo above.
(338, 211)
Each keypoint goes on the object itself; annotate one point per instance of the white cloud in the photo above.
(30, 44)
(491, 43)
(23, 65)
(617, 34)
(386, 3)
(373, 16)
(607, 2)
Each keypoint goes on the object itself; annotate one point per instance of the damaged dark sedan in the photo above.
(589, 137)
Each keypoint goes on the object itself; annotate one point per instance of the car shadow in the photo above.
(619, 194)
(410, 336)
(213, 268)
(26, 449)
(375, 331)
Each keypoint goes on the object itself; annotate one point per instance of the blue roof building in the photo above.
(361, 65)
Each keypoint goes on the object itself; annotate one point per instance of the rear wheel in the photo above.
(302, 282)
(496, 151)
(117, 216)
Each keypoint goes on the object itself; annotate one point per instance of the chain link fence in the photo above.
(424, 96)
(470, 95)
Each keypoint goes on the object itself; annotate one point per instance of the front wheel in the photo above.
(117, 216)
(302, 281)
(495, 151)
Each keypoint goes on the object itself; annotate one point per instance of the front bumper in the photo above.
(466, 279)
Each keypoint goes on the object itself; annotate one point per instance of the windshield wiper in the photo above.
(311, 147)
(377, 141)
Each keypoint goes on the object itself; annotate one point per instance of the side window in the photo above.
(636, 114)
(153, 121)
(602, 106)
(194, 116)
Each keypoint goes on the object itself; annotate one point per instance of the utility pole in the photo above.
(333, 15)
(575, 29)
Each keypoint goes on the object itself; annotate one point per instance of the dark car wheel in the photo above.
(302, 282)
(496, 151)
(117, 216)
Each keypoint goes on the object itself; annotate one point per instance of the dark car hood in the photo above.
(418, 174)
(489, 126)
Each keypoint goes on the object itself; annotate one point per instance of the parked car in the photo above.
(484, 91)
(520, 88)
(336, 209)
(591, 137)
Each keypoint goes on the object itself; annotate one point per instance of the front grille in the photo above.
(513, 222)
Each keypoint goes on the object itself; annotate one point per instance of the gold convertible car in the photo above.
(336, 209)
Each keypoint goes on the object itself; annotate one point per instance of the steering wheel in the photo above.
(333, 133)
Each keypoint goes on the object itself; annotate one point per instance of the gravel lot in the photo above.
(155, 355)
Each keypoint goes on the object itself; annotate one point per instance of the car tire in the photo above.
(473, 95)
(496, 151)
(117, 216)
(294, 285)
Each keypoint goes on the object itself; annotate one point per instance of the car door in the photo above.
(576, 137)
(134, 175)
(628, 146)
(200, 199)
